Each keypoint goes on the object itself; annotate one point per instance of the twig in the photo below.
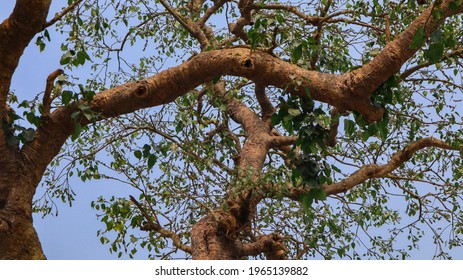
(157, 227)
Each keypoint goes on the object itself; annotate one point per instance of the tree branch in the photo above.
(370, 171)
(176, 240)
(245, 6)
(267, 107)
(407, 73)
(61, 15)
(366, 172)
(191, 27)
(389, 61)
(16, 32)
(47, 99)
(270, 244)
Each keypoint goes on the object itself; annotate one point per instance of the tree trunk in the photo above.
(18, 238)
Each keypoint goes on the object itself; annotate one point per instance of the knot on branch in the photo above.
(142, 90)
(247, 63)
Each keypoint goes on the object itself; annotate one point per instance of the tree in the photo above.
(286, 130)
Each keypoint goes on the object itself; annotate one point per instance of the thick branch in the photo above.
(366, 80)
(165, 87)
(370, 171)
(269, 244)
(16, 32)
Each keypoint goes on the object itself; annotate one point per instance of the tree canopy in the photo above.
(250, 129)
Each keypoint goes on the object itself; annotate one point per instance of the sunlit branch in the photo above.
(379, 171)
(47, 98)
(61, 14)
(267, 107)
(456, 53)
(217, 5)
(188, 25)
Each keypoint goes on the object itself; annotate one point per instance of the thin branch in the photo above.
(267, 107)
(366, 172)
(217, 5)
(458, 53)
(61, 15)
(176, 240)
(188, 25)
(436, 80)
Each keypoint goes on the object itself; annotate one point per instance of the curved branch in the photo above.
(407, 73)
(16, 32)
(270, 244)
(61, 15)
(264, 102)
(370, 171)
(350, 91)
(155, 226)
(389, 61)
(47, 98)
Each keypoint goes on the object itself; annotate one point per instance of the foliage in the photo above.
(180, 157)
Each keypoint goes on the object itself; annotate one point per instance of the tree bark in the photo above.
(18, 238)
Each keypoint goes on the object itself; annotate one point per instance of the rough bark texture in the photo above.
(18, 239)
(215, 236)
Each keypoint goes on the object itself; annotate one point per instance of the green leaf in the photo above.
(152, 160)
(308, 198)
(435, 52)
(349, 127)
(81, 57)
(66, 58)
(138, 154)
(33, 119)
(28, 134)
(454, 5)
(215, 80)
(77, 131)
(66, 97)
(419, 38)
(179, 126)
(276, 119)
(296, 54)
(75, 115)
